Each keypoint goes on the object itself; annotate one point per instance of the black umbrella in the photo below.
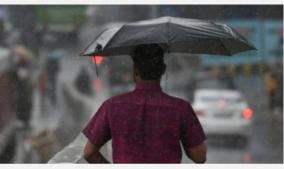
(175, 35)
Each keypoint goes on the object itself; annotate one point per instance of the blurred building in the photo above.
(226, 12)
(60, 24)
(262, 25)
(3, 15)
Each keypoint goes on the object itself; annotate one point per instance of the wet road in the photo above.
(265, 144)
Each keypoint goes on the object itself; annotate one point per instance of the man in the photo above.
(21, 74)
(145, 125)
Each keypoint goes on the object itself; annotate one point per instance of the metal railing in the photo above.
(73, 152)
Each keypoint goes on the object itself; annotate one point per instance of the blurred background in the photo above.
(48, 93)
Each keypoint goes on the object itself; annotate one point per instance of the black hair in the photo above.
(149, 60)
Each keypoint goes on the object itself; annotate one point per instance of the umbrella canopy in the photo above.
(174, 35)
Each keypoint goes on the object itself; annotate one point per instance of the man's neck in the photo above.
(147, 81)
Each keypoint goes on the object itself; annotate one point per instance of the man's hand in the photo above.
(197, 153)
(92, 154)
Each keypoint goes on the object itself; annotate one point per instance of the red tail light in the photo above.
(247, 113)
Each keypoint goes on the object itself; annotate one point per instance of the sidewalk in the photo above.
(78, 110)
(56, 120)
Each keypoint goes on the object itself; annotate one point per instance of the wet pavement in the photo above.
(45, 116)
(264, 145)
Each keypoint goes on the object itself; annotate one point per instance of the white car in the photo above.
(223, 112)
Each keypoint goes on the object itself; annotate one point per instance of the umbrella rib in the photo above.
(82, 53)
(204, 31)
(168, 32)
(224, 46)
(116, 34)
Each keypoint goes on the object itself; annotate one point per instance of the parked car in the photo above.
(221, 108)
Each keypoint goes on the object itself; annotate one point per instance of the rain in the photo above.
(48, 92)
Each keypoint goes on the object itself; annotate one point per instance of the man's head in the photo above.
(148, 62)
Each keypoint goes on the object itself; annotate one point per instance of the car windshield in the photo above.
(230, 100)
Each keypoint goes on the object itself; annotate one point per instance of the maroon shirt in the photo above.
(145, 126)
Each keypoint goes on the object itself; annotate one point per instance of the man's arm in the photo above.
(98, 133)
(192, 136)
(197, 153)
(92, 154)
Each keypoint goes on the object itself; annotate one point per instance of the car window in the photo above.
(224, 83)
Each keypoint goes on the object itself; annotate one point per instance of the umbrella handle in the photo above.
(167, 63)
(96, 67)
(98, 48)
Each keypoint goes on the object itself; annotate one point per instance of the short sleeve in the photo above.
(192, 133)
(98, 129)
